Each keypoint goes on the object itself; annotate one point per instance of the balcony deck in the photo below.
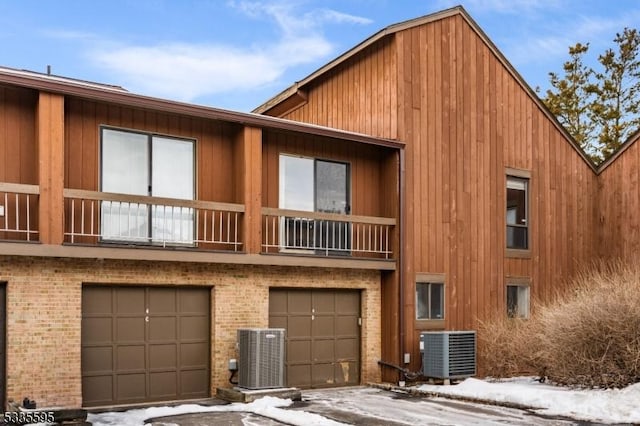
(121, 226)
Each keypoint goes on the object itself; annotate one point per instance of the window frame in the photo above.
(430, 279)
(525, 176)
(149, 240)
(520, 283)
(281, 191)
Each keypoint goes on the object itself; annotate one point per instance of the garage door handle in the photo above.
(146, 319)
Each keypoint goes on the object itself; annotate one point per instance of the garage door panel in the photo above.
(277, 321)
(130, 329)
(158, 351)
(130, 358)
(299, 351)
(163, 328)
(131, 387)
(194, 301)
(278, 303)
(348, 303)
(346, 373)
(163, 356)
(299, 376)
(347, 349)
(299, 302)
(162, 301)
(97, 359)
(130, 300)
(97, 330)
(194, 328)
(324, 301)
(299, 326)
(347, 326)
(194, 354)
(323, 326)
(163, 385)
(324, 350)
(98, 301)
(322, 375)
(194, 383)
(97, 390)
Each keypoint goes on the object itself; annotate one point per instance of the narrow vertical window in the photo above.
(517, 215)
(517, 301)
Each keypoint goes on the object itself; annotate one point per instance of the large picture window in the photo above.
(517, 220)
(313, 185)
(142, 164)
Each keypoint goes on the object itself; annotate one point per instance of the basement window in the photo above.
(517, 300)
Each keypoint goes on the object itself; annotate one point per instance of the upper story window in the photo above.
(517, 213)
(144, 164)
(313, 185)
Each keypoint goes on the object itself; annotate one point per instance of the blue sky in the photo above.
(236, 54)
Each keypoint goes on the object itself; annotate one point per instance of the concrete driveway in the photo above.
(371, 406)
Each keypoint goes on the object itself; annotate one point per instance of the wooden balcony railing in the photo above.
(101, 217)
(19, 212)
(326, 234)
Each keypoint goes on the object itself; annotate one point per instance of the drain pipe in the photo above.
(401, 249)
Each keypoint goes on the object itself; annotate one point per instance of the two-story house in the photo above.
(139, 234)
(414, 183)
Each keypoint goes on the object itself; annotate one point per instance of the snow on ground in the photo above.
(610, 406)
(604, 406)
(267, 406)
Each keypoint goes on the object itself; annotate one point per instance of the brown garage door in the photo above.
(323, 335)
(142, 344)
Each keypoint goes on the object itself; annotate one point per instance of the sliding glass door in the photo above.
(142, 164)
(313, 185)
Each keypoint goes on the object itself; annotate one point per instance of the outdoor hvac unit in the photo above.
(448, 354)
(261, 358)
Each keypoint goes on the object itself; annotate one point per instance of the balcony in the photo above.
(192, 230)
(19, 212)
(326, 234)
(128, 220)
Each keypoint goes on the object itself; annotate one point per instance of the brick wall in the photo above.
(44, 313)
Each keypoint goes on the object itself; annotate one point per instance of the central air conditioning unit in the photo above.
(261, 358)
(448, 354)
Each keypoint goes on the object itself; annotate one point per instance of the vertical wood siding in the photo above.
(18, 148)
(357, 96)
(619, 203)
(465, 119)
(214, 145)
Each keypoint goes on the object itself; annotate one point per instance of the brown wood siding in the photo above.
(358, 95)
(369, 196)
(619, 203)
(465, 118)
(214, 145)
(18, 148)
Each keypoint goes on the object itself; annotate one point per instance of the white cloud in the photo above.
(188, 71)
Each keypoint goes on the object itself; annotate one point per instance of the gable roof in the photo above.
(297, 88)
(635, 137)
(118, 95)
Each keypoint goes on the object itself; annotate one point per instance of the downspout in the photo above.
(401, 250)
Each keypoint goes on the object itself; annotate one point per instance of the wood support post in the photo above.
(50, 143)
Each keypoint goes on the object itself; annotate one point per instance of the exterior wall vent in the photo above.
(261, 358)
(448, 354)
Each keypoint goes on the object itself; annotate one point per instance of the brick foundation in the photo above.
(44, 314)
